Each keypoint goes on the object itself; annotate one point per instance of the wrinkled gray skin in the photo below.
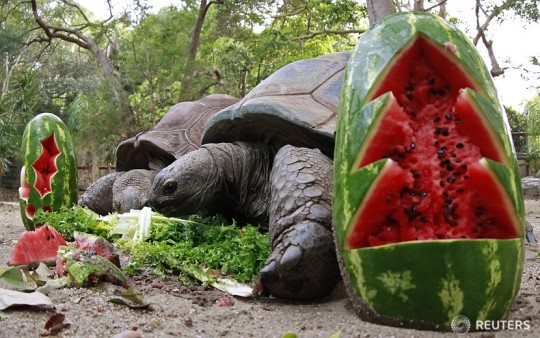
(99, 196)
(130, 190)
(290, 189)
(119, 192)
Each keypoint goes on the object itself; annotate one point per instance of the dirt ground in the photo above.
(179, 311)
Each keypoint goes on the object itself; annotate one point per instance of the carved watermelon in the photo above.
(49, 174)
(427, 207)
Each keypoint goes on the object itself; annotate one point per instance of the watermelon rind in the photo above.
(63, 183)
(432, 282)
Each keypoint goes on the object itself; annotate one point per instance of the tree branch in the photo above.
(496, 69)
(312, 34)
(57, 32)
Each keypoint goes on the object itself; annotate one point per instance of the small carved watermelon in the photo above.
(428, 206)
(49, 173)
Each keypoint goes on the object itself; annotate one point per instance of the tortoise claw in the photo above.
(303, 264)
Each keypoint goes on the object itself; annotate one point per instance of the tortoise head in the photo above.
(186, 186)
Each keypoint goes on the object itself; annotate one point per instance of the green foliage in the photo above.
(176, 246)
(153, 58)
(517, 121)
(527, 9)
(533, 129)
(173, 247)
(70, 219)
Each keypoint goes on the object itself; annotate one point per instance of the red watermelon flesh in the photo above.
(40, 245)
(439, 137)
(45, 165)
(89, 245)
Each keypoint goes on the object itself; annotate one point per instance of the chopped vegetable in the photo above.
(67, 220)
(190, 247)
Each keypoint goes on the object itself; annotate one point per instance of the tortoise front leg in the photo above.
(303, 263)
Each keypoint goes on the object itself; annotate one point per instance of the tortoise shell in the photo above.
(177, 133)
(296, 105)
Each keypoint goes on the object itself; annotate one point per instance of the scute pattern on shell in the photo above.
(269, 114)
(176, 134)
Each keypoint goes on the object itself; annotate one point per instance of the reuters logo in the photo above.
(460, 324)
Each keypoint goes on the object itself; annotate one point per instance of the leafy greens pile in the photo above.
(187, 247)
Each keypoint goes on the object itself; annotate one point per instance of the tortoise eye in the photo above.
(169, 188)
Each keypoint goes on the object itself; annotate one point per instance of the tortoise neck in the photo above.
(243, 177)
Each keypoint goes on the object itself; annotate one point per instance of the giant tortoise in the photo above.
(268, 158)
(139, 158)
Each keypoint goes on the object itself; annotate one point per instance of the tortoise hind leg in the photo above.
(303, 263)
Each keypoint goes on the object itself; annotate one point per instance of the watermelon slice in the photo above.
(40, 245)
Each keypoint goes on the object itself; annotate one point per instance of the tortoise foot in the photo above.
(303, 264)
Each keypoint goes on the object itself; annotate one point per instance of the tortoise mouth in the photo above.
(171, 207)
(165, 209)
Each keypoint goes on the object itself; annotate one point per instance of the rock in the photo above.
(530, 187)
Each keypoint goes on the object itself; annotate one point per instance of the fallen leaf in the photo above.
(289, 335)
(11, 297)
(130, 297)
(55, 324)
(18, 277)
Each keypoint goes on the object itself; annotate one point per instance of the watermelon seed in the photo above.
(440, 152)
(448, 116)
(446, 163)
(416, 174)
(459, 145)
(413, 145)
(479, 211)
(423, 194)
(424, 219)
(431, 81)
(437, 119)
(436, 144)
(451, 179)
(417, 185)
(409, 88)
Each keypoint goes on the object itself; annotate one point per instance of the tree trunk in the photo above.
(186, 89)
(82, 40)
(378, 9)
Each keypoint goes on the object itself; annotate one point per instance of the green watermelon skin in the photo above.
(435, 281)
(49, 173)
(487, 271)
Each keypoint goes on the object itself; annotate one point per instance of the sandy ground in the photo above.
(179, 311)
